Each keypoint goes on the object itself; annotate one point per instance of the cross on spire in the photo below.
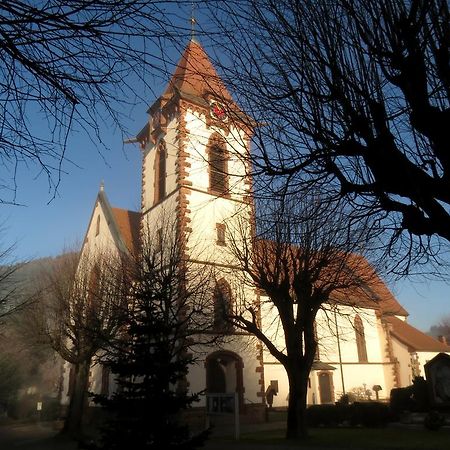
(193, 21)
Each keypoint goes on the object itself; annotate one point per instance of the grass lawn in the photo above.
(362, 438)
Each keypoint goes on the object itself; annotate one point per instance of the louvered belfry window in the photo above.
(160, 175)
(218, 177)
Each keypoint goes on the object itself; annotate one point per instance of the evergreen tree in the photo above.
(150, 362)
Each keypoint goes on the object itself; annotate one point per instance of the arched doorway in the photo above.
(224, 374)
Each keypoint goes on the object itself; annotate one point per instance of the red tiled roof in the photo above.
(195, 75)
(129, 226)
(373, 292)
(413, 338)
(361, 285)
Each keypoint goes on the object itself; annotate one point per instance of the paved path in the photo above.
(32, 436)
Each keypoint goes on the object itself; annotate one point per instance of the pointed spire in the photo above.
(102, 186)
(195, 75)
(193, 22)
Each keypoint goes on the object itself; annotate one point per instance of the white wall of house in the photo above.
(149, 164)
(331, 326)
(99, 238)
(403, 355)
(423, 358)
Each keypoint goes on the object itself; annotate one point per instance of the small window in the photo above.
(222, 306)
(104, 389)
(97, 226)
(221, 229)
(218, 163)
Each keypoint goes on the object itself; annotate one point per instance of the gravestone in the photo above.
(437, 371)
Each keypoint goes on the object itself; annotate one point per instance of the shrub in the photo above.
(324, 415)
(347, 399)
(401, 399)
(371, 415)
(433, 421)
(420, 395)
(50, 409)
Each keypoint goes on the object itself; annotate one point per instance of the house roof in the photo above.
(353, 280)
(414, 338)
(373, 292)
(128, 224)
(195, 75)
(320, 365)
(124, 225)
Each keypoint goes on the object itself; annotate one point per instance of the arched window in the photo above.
(97, 226)
(218, 166)
(160, 172)
(222, 306)
(93, 294)
(104, 386)
(360, 339)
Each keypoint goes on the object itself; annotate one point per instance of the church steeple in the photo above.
(195, 75)
(196, 140)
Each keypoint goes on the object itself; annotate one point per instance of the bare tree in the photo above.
(353, 95)
(13, 295)
(82, 304)
(64, 66)
(303, 257)
(442, 329)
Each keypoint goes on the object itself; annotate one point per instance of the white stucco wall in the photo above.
(198, 135)
(330, 327)
(149, 161)
(403, 356)
(100, 243)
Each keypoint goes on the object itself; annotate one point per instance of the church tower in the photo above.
(195, 157)
(196, 173)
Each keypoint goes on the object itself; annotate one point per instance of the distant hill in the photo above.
(18, 281)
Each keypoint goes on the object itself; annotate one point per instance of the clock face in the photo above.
(218, 111)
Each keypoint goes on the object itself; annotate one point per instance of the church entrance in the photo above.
(326, 387)
(224, 374)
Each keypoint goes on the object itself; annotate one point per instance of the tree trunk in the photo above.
(73, 421)
(298, 388)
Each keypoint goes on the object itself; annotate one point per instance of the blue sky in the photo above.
(44, 226)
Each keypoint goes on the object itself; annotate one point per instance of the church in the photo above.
(195, 171)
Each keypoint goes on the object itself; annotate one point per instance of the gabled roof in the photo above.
(373, 292)
(123, 224)
(196, 76)
(359, 287)
(414, 338)
(128, 224)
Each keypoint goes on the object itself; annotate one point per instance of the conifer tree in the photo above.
(150, 360)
